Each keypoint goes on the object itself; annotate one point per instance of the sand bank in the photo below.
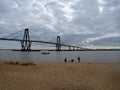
(60, 76)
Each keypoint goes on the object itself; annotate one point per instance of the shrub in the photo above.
(24, 64)
(31, 63)
(6, 62)
(17, 63)
(89, 63)
(20, 63)
(12, 63)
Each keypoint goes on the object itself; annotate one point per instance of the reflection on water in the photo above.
(86, 56)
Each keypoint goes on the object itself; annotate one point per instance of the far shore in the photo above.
(60, 76)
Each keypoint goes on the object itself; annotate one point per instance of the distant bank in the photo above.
(63, 50)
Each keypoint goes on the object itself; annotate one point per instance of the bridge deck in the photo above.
(40, 42)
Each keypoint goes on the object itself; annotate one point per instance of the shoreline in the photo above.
(60, 76)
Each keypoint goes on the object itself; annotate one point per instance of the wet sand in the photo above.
(60, 76)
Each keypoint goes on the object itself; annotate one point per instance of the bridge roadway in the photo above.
(43, 42)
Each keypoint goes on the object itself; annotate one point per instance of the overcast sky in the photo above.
(78, 22)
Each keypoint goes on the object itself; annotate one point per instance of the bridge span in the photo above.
(26, 43)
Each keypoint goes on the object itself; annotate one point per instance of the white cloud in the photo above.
(101, 2)
(63, 17)
(103, 36)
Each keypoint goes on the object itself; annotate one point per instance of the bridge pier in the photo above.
(25, 43)
(76, 48)
(73, 48)
(69, 47)
(58, 45)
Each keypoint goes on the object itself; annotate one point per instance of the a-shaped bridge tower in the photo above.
(26, 43)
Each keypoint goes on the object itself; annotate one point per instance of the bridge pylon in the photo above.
(25, 43)
(58, 45)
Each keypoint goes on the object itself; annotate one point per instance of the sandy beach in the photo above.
(60, 76)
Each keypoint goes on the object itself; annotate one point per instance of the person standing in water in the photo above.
(78, 59)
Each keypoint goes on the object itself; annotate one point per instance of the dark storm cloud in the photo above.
(84, 21)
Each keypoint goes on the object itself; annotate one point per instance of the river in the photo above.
(59, 56)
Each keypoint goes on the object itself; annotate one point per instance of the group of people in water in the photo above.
(72, 60)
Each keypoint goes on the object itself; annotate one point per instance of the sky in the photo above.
(77, 22)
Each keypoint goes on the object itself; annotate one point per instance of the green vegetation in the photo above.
(20, 63)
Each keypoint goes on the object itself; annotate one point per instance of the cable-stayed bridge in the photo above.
(26, 42)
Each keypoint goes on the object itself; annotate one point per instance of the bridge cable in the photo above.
(12, 34)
